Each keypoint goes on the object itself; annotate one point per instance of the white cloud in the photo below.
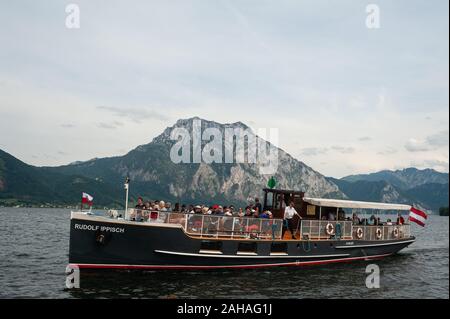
(310, 68)
(430, 143)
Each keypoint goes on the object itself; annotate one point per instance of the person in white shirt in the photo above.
(289, 213)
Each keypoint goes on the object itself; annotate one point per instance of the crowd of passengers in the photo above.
(376, 221)
(253, 209)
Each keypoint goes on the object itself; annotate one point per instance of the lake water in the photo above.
(34, 255)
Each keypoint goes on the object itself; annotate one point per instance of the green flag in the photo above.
(272, 182)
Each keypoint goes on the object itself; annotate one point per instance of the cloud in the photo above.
(388, 151)
(438, 165)
(414, 145)
(430, 143)
(438, 139)
(313, 151)
(110, 126)
(67, 125)
(365, 138)
(136, 115)
(343, 149)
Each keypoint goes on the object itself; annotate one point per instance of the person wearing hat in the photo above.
(162, 206)
(197, 209)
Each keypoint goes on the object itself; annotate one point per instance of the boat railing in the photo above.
(211, 226)
(381, 232)
(323, 229)
(330, 230)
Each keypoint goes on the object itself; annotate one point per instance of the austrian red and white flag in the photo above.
(417, 216)
(87, 199)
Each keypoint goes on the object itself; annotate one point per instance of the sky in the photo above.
(345, 98)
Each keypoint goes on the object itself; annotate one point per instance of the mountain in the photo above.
(373, 191)
(155, 176)
(426, 188)
(25, 184)
(404, 179)
(432, 195)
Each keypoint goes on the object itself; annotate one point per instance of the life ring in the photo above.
(379, 233)
(329, 229)
(359, 233)
(396, 232)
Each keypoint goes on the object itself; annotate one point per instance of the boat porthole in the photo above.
(298, 246)
(315, 245)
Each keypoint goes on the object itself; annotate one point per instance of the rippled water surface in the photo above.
(34, 254)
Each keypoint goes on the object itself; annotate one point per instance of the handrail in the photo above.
(211, 226)
(326, 230)
(215, 226)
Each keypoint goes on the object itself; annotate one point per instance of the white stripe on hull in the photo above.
(376, 245)
(246, 256)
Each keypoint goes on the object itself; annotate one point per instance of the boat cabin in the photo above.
(276, 201)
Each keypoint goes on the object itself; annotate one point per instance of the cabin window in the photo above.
(278, 248)
(247, 248)
(210, 245)
(269, 202)
(311, 210)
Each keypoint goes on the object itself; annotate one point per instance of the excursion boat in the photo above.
(173, 240)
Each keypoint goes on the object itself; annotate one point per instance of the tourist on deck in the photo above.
(355, 219)
(168, 206)
(219, 211)
(264, 214)
(400, 219)
(331, 216)
(162, 206)
(197, 209)
(289, 213)
(341, 214)
(258, 206)
(140, 203)
(136, 214)
(227, 211)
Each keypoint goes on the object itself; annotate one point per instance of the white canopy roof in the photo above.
(354, 204)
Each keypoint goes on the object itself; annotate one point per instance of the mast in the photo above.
(126, 185)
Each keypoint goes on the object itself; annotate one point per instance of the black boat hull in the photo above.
(102, 243)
